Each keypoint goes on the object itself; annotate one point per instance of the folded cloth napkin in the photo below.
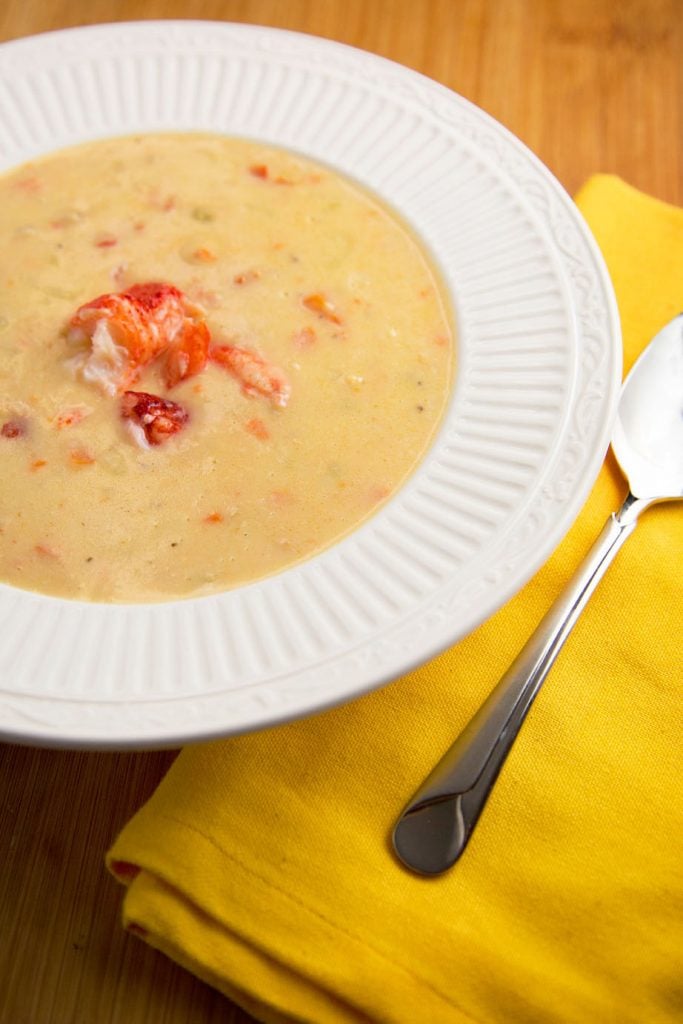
(263, 863)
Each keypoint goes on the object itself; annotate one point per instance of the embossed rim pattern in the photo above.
(539, 361)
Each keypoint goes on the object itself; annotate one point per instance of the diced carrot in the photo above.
(247, 277)
(214, 517)
(304, 338)
(203, 255)
(319, 304)
(80, 457)
(263, 171)
(38, 464)
(106, 241)
(258, 428)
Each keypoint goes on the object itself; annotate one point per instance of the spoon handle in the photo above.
(435, 826)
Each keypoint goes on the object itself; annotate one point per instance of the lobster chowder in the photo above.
(216, 358)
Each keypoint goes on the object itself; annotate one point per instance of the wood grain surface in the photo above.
(589, 85)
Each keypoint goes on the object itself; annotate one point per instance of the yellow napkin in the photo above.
(263, 864)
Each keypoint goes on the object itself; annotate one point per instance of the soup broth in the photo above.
(326, 367)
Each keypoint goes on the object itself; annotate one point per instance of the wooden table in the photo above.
(590, 85)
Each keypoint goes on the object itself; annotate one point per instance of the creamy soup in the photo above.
(216, 358)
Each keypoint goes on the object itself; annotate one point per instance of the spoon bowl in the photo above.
(647, 439)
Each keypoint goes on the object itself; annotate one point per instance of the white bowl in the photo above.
(538, 372)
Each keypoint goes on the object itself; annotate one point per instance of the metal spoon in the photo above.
(436, 825)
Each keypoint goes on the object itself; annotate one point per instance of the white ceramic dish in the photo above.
(539, 360)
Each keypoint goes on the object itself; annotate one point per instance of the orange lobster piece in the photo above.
(152, 419)
(256, 375)
(128, 330)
